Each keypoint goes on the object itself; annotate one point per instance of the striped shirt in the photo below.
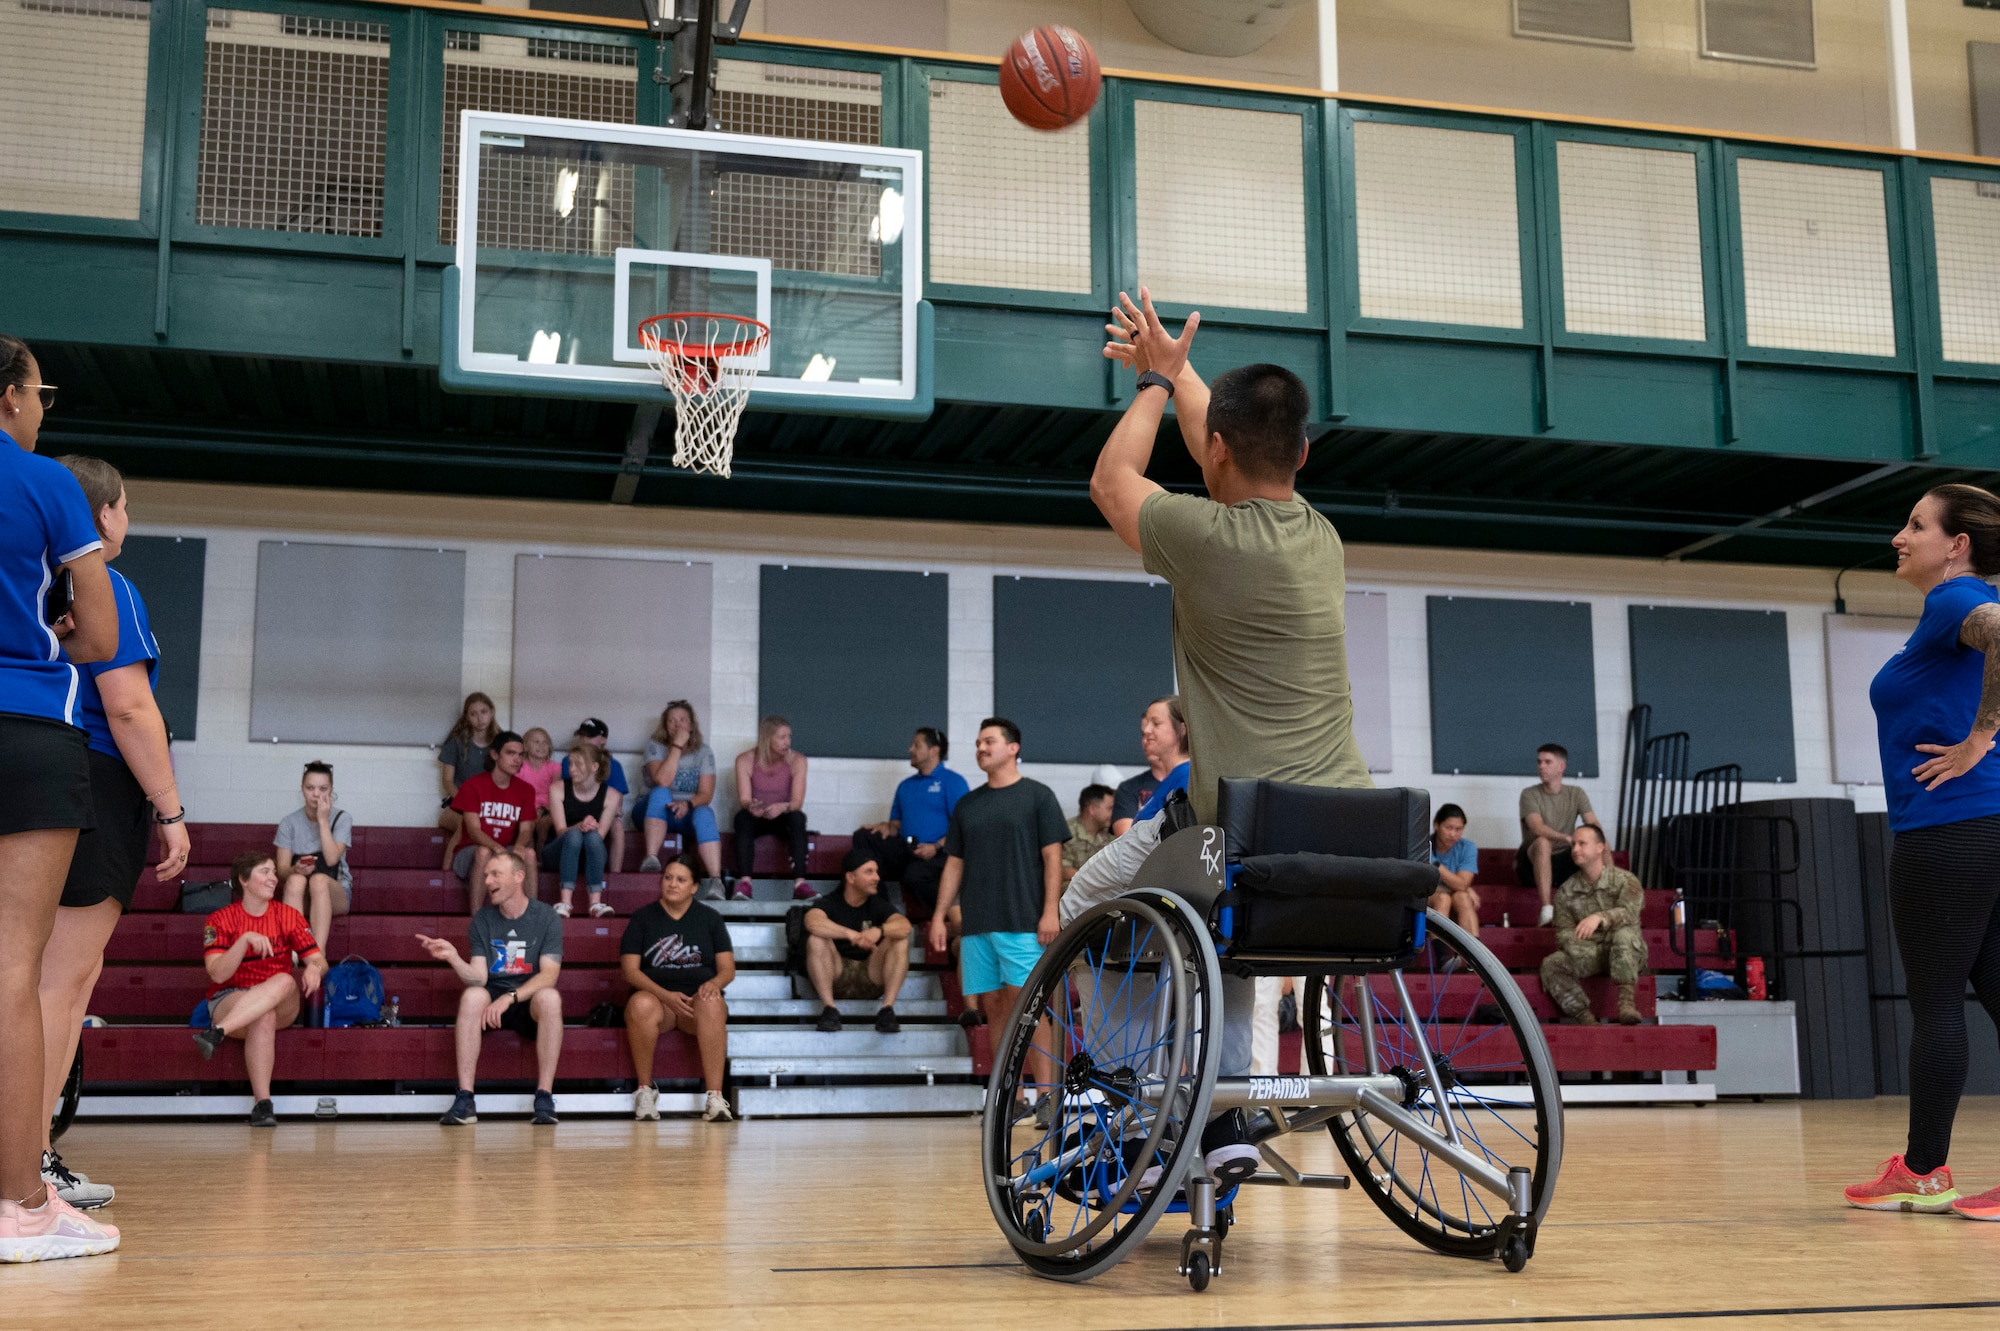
(285, 927)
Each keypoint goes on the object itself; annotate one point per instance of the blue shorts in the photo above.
(988, 961)
(700, 820)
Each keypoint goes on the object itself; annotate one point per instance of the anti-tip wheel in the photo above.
(1514, 1253)
(1198, 1271)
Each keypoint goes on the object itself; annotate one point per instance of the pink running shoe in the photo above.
(1986, 1206)
(1900, 1190)
(743, 892)
(53, 1229)
(802, 890)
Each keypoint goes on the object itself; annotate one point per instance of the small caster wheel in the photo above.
(1514, 1252)
(1225, 1218)
(1198, 1271)
(1035, 1227)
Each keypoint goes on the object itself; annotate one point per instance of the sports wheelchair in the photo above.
(1420, 1055)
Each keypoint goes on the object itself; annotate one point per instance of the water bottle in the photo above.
(1680, 911)
(395, 1011)
(1753, 976)
(1505, 922)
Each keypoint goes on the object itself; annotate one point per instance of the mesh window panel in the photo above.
(1815, 258)
(798, 102)
(815, 226)
(519, 207)
(73, 101)
(1437, 228)
(1575, 20)
(294, 124)
(1965, 215)
(1221, 205)
(1010, 206)
(1777, 30)
(1631, 242)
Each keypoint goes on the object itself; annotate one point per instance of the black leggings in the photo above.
(1944, 896)
(790, 825)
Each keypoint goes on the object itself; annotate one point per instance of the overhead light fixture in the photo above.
(547, 347)
(565, 201)
(819, 369)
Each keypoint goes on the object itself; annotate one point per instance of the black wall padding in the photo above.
(1836, 1037)
(856, 659)
(1723, 676)
(1507, 676)
(168, 572)
(1076, 661)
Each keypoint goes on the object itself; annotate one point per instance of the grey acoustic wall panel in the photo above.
(1723, 676)
(854, 658)
(1368, 675)
(1856, 648)
(1507, 676)
(610, 638)
(1075, 661)
(169, 572)
(357, 644)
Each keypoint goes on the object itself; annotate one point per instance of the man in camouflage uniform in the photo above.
(1597, 931)
(1089, 831)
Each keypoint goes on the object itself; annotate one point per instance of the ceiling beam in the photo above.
(1780, 514)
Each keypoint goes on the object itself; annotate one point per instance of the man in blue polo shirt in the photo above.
(909, 844)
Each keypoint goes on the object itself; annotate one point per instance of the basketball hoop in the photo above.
(707, 361)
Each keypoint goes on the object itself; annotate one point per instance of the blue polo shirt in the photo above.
(1928, 693)
(135, 644)
(44, 523)
(1175, 780)
(923, 804)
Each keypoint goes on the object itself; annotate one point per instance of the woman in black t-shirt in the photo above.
(678, 959)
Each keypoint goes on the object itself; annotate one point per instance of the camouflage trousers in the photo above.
(1621, 953)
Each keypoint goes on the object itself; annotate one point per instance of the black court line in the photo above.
(927, 1266)
(1574, 1319)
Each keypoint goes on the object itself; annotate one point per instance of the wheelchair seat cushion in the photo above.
(1341, 904)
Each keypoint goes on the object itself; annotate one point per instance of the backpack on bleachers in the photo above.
(353, 993)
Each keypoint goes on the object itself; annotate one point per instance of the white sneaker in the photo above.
(72, 1187)
(1227, 1165)
(646, 1102)
(715, 1109)
(1548, 913)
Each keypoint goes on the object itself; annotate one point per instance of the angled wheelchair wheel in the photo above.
(1118, 1030)
(1500, 1090)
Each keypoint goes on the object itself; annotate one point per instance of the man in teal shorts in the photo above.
(1003, 866)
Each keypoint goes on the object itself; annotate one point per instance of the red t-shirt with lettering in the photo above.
(285, 927)
(499, 812)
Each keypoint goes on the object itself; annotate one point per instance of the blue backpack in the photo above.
(353, 994)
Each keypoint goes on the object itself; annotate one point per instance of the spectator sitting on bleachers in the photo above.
(677, 957)
(461, 756)
(682, 771)
(539, 769)
(1163, 739)
(1089, 831)
(1550, 812)
(312, 843)
(857, 944)
(581, 806)
(515, 948)
(498, 806)
(1457, 861)
(1597, 932)
(248, 947)
(599, 734)
(771, 787)
(909, 845)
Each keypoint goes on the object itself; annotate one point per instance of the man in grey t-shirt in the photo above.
(1550, 812)
(311, 844)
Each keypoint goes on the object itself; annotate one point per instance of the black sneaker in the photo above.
(464, 1109)
(829, 1020)
(262, 1115)
(886, 1023)
(545, 1107)
(208, 1040)
(971, 1017)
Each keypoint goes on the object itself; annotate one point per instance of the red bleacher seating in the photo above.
(411, 1053)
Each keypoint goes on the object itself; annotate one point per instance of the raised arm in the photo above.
(1981, 632)
(1118, 485)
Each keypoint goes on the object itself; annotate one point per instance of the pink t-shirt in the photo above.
(771, 785)
(539, 775)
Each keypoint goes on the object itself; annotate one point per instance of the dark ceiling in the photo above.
(192, 416)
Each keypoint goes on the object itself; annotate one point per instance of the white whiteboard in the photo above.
(1856, 647)
(1368, 675)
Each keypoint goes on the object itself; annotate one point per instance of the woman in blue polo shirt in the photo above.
(1937, 706)
(45, 532)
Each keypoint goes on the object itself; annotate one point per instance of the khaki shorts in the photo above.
(854, 981)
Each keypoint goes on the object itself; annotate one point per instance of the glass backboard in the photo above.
(571, 232)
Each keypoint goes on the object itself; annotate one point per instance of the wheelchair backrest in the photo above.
(1262, 817)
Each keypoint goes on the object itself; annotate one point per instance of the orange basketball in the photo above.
(1049, 78)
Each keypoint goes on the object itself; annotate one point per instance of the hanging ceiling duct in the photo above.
(1214, 27)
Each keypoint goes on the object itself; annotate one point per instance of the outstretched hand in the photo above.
(1140, 340)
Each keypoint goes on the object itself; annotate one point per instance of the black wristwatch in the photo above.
(1154, 379)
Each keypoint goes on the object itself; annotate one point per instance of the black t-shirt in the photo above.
(678, 955)
(1132, 794)
(870, 914)
(1000, 834)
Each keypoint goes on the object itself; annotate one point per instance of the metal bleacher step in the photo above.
(764, 985)
(833, 1065)
(851, 1008)
(779, 1042)
(835, 1101)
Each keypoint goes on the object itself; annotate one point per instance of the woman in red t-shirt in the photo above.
(247, 948)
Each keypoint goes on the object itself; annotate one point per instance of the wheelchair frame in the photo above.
(1392, 1079)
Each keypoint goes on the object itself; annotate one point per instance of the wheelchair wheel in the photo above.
(72, 1093)
(1123, 1007)
(1500, 1088)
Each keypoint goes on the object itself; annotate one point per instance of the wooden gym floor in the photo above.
(1720, 1216)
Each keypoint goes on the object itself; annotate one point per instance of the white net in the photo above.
(708, 362)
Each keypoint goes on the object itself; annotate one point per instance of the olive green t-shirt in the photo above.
(1561, 812)
(1260, 640)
